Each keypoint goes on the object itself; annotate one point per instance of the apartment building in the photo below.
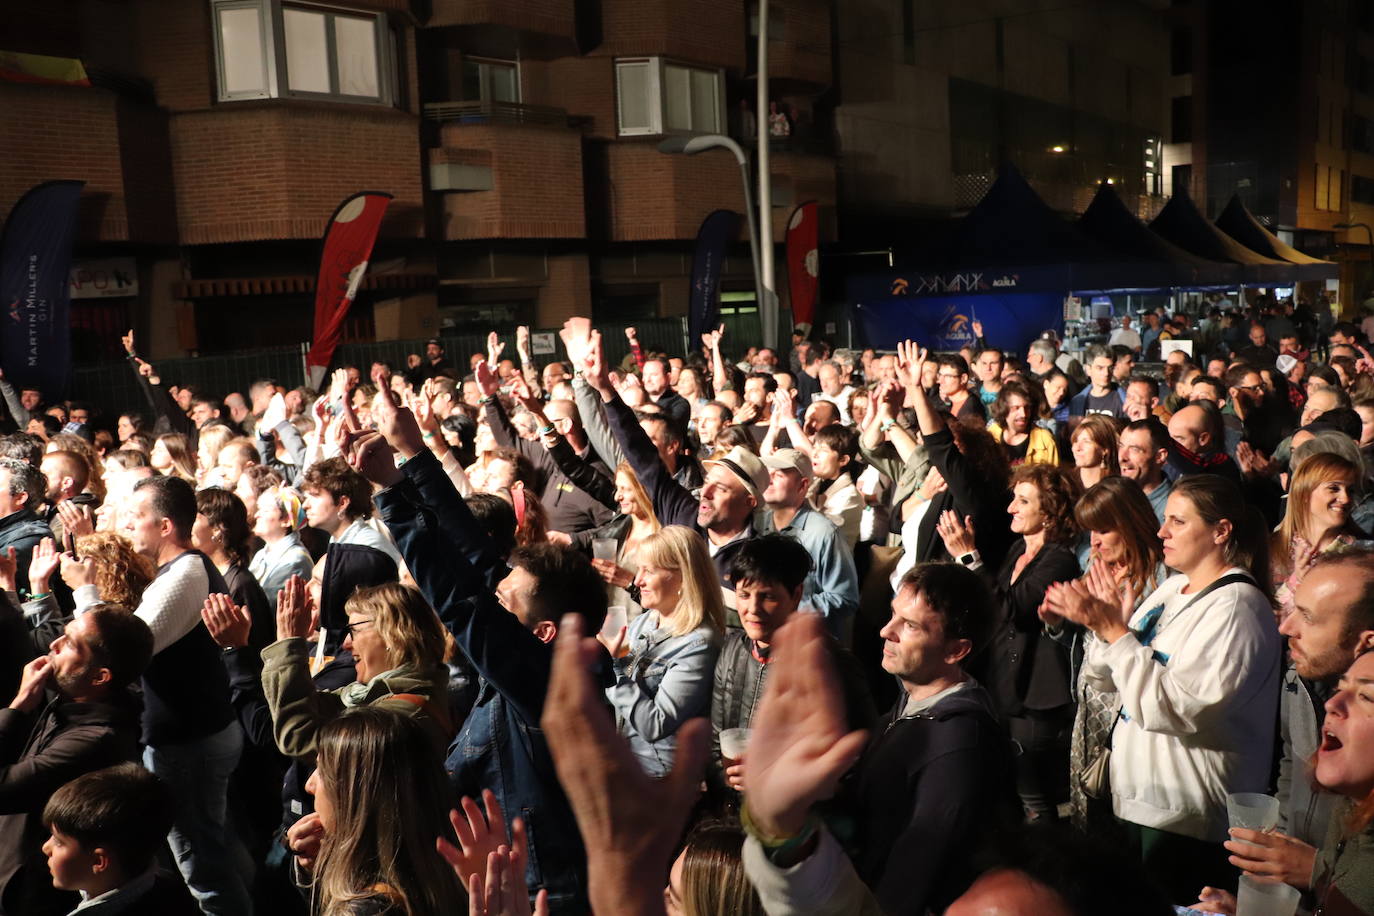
(518, 137)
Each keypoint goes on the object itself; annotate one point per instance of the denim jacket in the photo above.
(500, 746)
(663, 681)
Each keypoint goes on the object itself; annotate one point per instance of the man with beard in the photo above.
(91, 721)
(1013, 424)
(1332, 622)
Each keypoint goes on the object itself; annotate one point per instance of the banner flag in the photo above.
(348, 241)
(35, 261)
(1010, 320)
(703, 314)
(803, 263)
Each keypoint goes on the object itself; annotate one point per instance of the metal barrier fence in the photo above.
(112, 387)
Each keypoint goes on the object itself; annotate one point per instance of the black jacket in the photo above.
(39, 754)
(928, 790)
(1022, 667)
(569, 507)
(968, 494)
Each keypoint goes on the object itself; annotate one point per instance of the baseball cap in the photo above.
(785, 458)
(1285, 363)
(747, 467)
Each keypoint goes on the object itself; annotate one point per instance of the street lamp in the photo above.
(691, 145)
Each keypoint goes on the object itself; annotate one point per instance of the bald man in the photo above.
(1198, 436)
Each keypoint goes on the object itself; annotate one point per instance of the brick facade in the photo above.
(270, 170)
(536, 178)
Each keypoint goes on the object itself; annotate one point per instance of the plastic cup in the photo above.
(615, 619)
(733, 742)
(605, 549)
(1252, 811)
(1256, 899)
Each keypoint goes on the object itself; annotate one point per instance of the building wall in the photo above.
(276, 170)
(904, 144)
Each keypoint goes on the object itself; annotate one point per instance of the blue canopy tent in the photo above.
(1181, 223)
(1108, 221)
(1008, 264)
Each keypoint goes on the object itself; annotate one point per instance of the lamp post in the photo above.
(1368, 232)
(699, 144)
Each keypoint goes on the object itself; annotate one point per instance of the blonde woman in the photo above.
(665, 662)
(280, 515)
(1321, 497)
(397, 643)
(630, 529)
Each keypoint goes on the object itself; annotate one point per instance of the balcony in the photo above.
(525, 21)
(799, 47)
(277, 169)
(117, 145)
(506, 170)
(706, 33)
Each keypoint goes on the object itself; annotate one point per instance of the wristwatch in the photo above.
(968, 559)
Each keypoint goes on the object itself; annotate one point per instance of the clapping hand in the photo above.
(42, 564)
(630, 822)
(76, 519)
(957, 535)
(504, 891)
(229, 626)
(479, 836)
(293, 610)
(800, 745)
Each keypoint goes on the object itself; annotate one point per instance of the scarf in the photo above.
(360, 694)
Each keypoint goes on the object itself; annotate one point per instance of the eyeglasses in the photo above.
(1249, 387)
(352, 628)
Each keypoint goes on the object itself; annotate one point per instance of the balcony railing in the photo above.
(488, 112)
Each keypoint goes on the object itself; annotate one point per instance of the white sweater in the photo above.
(171, 604)
(1200, 725)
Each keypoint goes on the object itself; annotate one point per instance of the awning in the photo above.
(1240, 224)
(276, 286)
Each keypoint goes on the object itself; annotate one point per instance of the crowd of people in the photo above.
(814, 632)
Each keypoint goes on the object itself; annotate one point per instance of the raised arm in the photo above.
(528, 370)
(673, 503)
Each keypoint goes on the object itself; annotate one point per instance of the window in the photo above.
(490, 80)
(655, 97)
(1361, 189)
(273, 49)
(1181, 119)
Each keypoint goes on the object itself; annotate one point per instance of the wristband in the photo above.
(885, 425)
(548, 430)
(486, 399)
(427, 435)
(777, 845)
(38, 596)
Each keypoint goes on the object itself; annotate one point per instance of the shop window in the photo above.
(654, 96)
(273, 49)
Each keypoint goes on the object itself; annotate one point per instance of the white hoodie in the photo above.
(1201, 724)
